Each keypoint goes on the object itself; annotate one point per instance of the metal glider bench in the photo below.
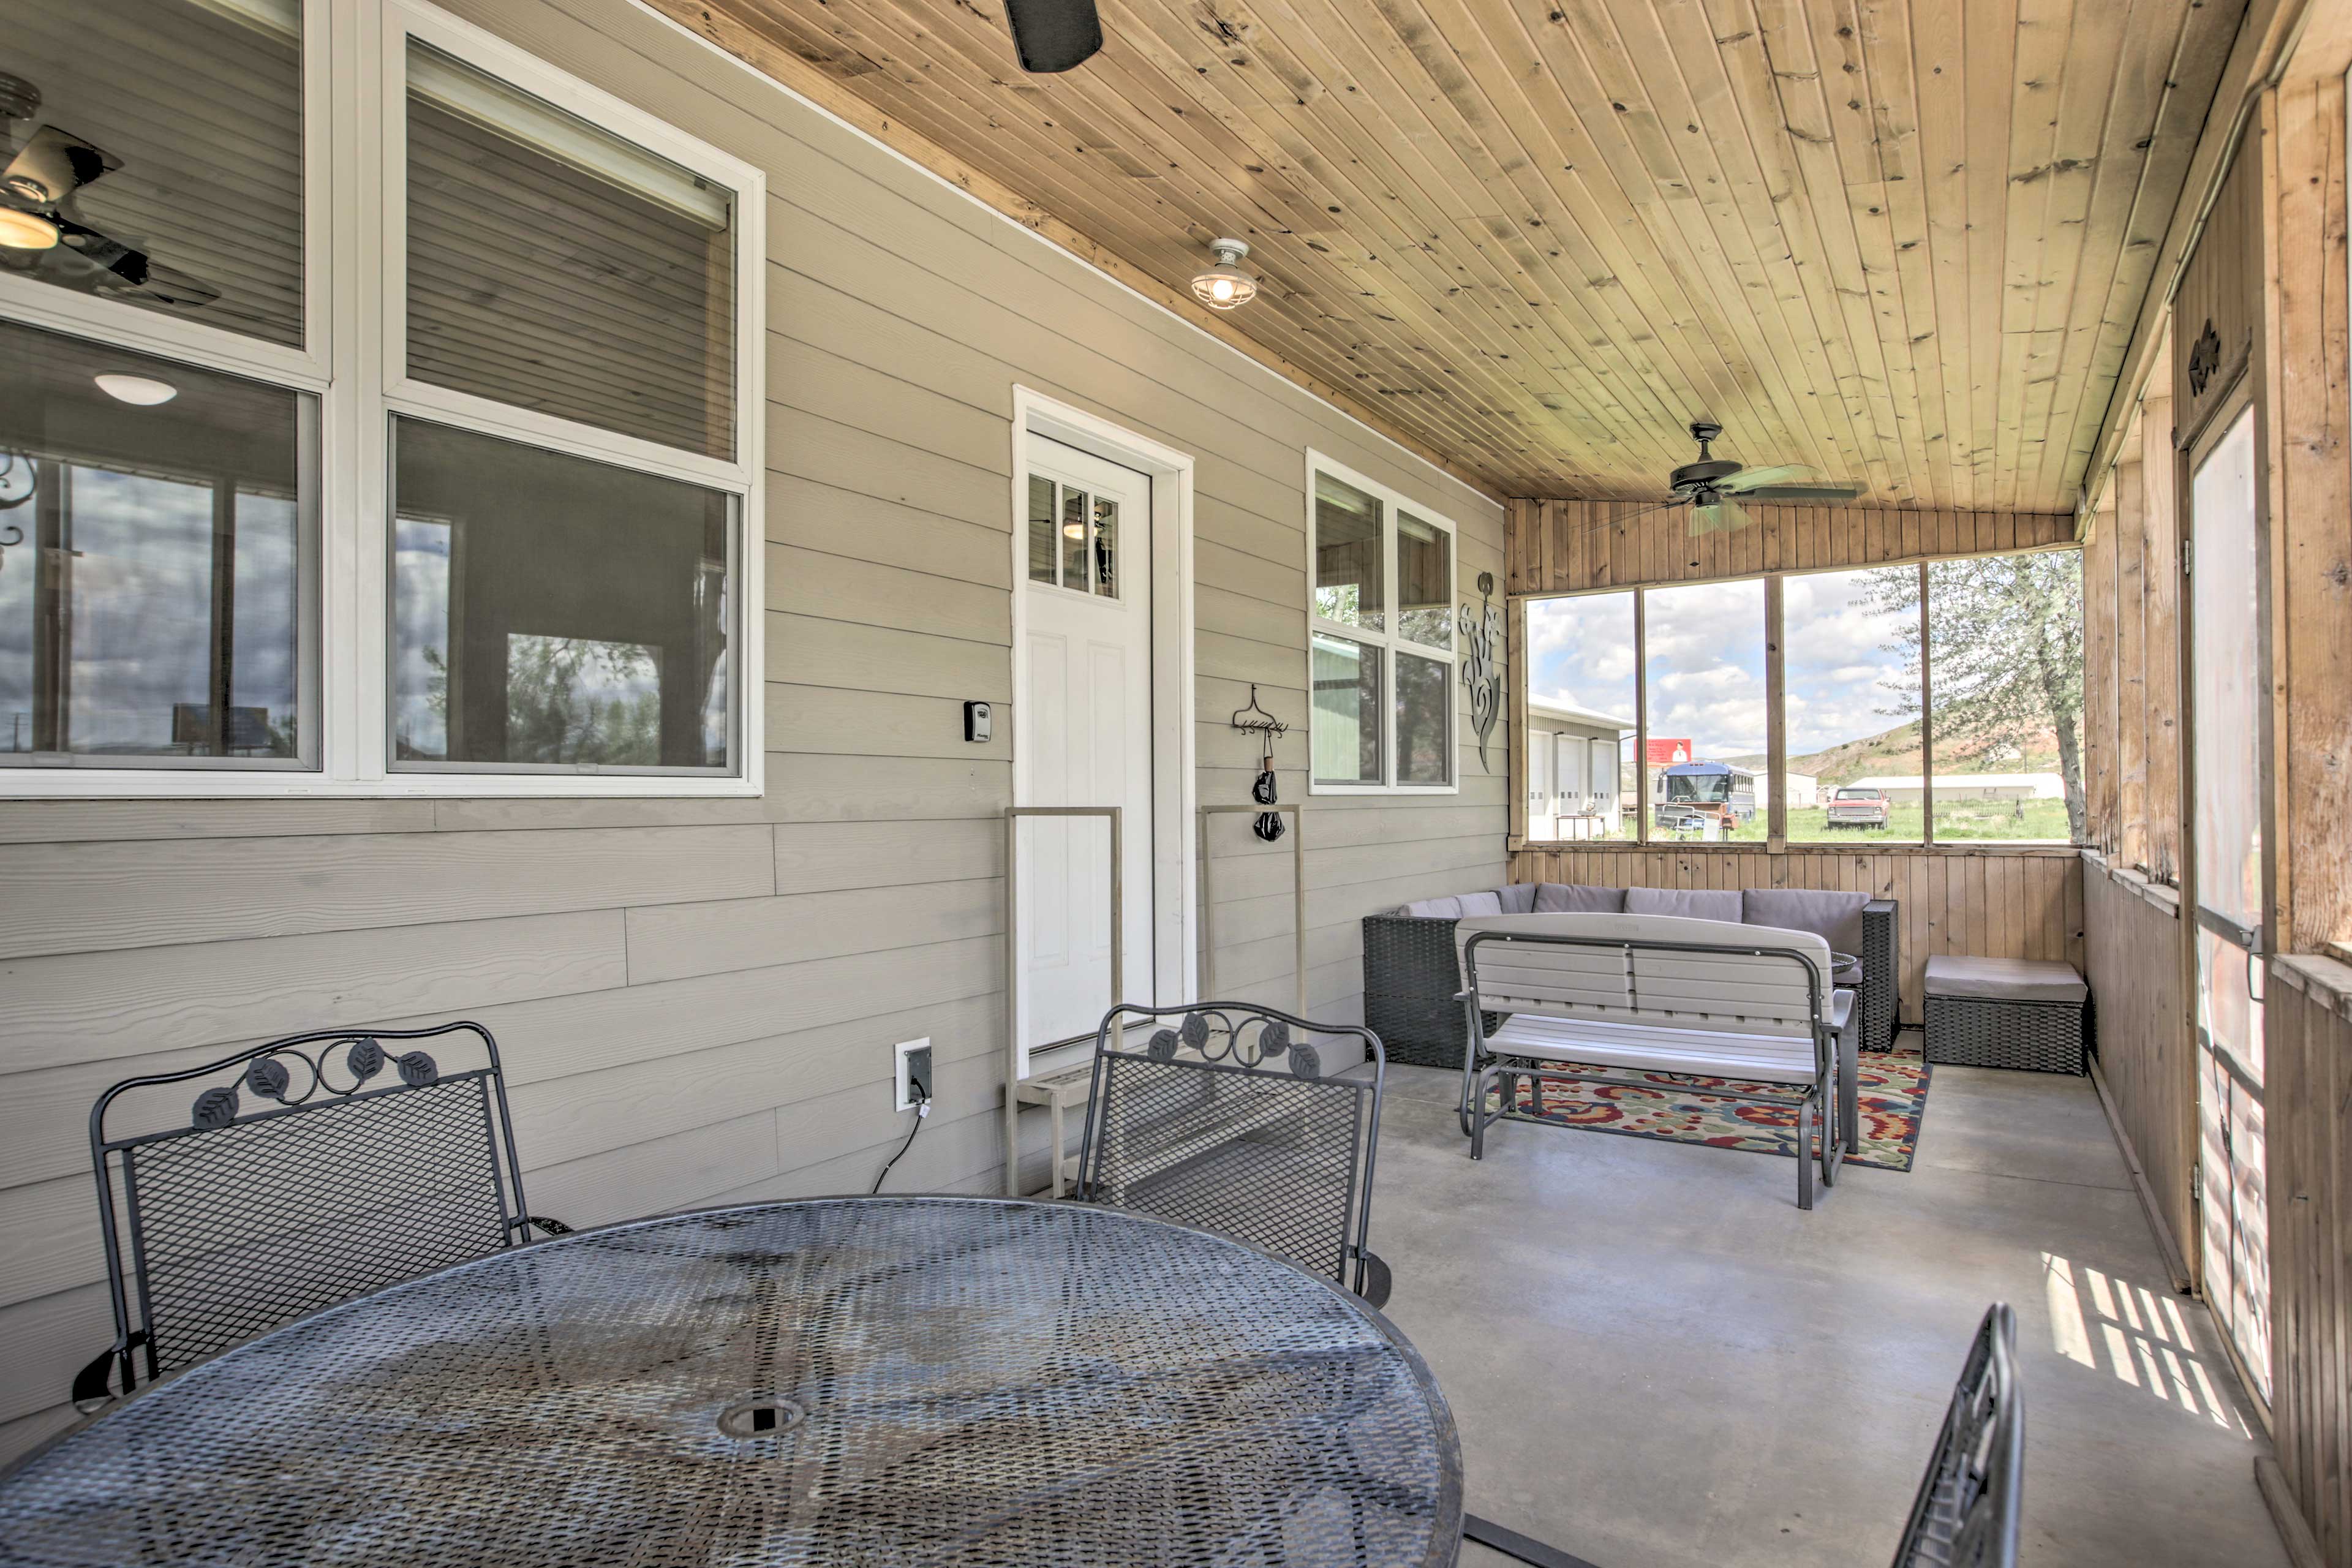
(1692, 998)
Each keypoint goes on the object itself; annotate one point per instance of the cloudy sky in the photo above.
(1707, 661)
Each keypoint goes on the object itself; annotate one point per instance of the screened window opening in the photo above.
(156, 562)
(1584, 781)
(1956, 681)
(165, 141)
(556, 267)
(1851, 673)
(2005, 650)
(552, 613)
(1703, 652)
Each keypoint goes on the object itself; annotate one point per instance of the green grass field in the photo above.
(2044, 821)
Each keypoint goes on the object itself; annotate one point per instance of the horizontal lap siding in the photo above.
(697, 999)
(1993, 902)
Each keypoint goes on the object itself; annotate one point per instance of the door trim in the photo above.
(1175, 913)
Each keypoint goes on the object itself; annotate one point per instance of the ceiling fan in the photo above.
(40, 231)
(1709, 487)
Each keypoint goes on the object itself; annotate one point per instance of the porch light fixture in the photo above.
(27, 231)
(140, 391)
(1226, 285)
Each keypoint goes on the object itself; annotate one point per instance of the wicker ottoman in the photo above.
(2006, 1013)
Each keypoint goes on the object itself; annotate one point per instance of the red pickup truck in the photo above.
(1853, 807)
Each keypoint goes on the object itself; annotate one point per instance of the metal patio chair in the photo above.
(1972, 1497)
(307, 1170)
(1244, 1121)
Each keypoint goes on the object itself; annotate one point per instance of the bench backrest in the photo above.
(1662, 971)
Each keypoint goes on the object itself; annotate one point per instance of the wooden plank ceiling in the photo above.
(1903, 241)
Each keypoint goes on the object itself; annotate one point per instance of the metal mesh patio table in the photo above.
(852, 1381)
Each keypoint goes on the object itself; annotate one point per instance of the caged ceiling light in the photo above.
(1226, 285)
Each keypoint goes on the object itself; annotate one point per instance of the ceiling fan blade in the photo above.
(52, 164)
(1054, 34)
(1804, 492)
(1721, 516)
(173, 287)
(1754, 479)
(126, 262)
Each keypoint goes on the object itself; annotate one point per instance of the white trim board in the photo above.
(1174, 765)
(1382, 437)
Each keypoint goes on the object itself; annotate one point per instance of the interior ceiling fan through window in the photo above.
(1713, 487)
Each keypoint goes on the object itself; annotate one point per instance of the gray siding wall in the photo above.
(697, 1000)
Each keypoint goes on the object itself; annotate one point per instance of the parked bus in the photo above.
(1687, 797)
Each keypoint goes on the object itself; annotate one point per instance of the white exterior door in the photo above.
(1086, 736)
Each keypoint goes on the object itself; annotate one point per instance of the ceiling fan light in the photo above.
(25, 231)
(1225, 287)
(140, 390)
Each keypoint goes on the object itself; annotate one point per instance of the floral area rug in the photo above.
(1894, 1100)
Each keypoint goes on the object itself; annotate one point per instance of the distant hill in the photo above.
(1896, 751)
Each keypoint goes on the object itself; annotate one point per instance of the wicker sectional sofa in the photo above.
(1411, 975)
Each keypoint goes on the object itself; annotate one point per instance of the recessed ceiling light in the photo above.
(25, 231)
(1226, 285)
(143, 391)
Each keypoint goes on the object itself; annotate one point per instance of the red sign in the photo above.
(1666, 754)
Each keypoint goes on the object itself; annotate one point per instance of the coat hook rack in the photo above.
(1257, 720)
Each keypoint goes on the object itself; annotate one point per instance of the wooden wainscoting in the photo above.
(1999, 901)
(1572, 547)
(2308, 1031)
(2144, 1070)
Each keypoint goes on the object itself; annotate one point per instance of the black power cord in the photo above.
(922, 1114)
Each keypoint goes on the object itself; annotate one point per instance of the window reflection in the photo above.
(549, 612)
(152, 570)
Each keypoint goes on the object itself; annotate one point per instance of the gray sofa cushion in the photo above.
(1567, 898)
(1691, 903)
(1519, 898)
(1444, 909)
(2004, 979)
(1835, 917)
(1487, 903)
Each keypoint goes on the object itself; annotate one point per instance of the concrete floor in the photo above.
(1657, 1360)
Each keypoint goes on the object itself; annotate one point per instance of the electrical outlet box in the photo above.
(913, 1081)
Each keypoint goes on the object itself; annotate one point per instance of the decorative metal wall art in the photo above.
(2204, 359)
(1481, 629)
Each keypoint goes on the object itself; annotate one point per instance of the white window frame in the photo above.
(354, 62)
(1388, 640)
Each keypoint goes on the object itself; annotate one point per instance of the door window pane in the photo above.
(1105, 552)
(1347, 728)
(1424, 715)
(552, 613)
(1074, 539)
(1348, 570)
(154, 559)
(1581, 719)
(2005, 651)
(1851, 672)
(1704, 673)
(1043, 552)
(160, 155)
(2228, 679)
(1425, 582)
(554, 266)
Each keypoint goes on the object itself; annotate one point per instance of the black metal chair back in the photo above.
(1972, 1497)
(1244, 1121)
(308, 1171)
